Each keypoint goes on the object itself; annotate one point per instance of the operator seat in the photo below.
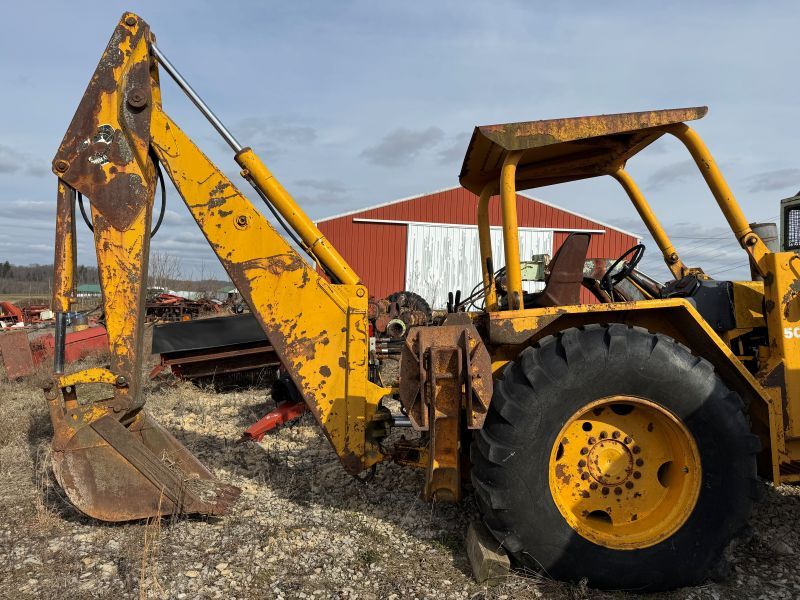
(563, 285)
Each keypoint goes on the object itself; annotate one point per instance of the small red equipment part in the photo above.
(285, 412)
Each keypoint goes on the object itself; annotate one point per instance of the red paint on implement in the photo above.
(16, 354)
(21, 356)
(285, 412)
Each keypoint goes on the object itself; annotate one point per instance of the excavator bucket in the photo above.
(116, 473)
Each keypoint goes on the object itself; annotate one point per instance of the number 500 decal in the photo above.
(790, 333)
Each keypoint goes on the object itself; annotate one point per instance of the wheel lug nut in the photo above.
(593, 486)
(605, 491)
(592, 440)
(636, 475)
(615, 435)
(618, 491)
(581, 463)
(585, 475)
(603, 435)
(584, 450)
(639, 462)
(636, 449)
(629, 484)
(627, 439)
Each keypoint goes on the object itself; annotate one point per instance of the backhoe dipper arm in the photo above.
(109, 454)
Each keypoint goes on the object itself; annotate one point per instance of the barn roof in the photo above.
(561, 150)
(364, 209)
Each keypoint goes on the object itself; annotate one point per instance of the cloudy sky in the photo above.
(356, 103)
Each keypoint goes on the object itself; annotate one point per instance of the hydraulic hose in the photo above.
(160, 213)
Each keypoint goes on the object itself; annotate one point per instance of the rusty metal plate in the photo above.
(15, 351)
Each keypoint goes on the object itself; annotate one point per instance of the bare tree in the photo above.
(165, 270)
(200, 283)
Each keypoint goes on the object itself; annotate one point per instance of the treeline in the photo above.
(36, 279)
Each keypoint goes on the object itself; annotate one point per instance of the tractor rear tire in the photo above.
(635, 428)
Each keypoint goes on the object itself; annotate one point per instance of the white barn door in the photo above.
(445, 258)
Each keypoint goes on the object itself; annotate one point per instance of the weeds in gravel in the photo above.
(452, 543)
(151, 549)
(533, 585)
(368, 556)
(45, 516)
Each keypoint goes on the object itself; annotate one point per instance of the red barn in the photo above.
(428, 244)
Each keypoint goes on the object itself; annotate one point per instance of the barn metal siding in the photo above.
(446, 258)
(377, 251)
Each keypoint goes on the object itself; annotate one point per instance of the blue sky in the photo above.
(356, 103)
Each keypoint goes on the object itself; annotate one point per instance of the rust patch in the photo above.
(220, 188)
(275, 264)
(503, 331)
(351, 463)
(562, 474)
(325, 371)
(791, 295)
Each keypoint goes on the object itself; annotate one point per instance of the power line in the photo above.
(702, 242)
(738, 265)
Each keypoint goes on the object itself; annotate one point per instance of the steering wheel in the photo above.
(610, 279)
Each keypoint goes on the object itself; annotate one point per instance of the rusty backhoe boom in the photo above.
(113, 460)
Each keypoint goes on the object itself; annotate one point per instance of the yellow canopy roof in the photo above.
(560, 150)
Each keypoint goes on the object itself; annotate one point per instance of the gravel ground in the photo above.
(302, 528)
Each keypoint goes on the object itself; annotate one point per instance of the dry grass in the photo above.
(149, 586)
(46, 517)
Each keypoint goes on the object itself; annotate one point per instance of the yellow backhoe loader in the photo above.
(618, 441)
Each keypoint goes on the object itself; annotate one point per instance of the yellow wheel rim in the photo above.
(625, 472)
